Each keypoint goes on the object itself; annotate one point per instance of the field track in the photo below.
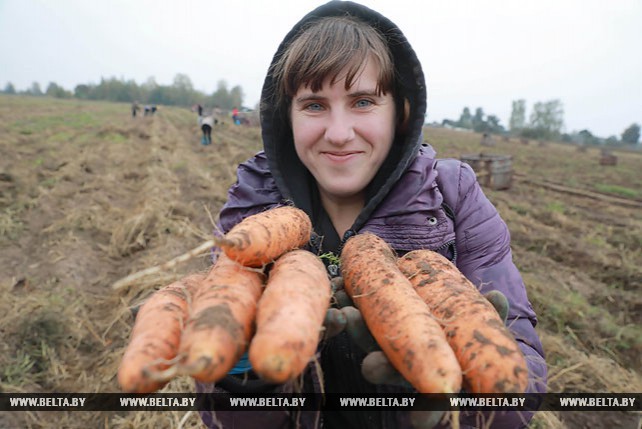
(626, 202)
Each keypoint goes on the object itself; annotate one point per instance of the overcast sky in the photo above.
(475, 53)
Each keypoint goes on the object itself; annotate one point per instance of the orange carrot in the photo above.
(221, 320)
(290, 316)
(155, 336)
(261, 238)
(486, 350)
(398, 319)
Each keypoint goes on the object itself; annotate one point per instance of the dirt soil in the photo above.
(89, 195)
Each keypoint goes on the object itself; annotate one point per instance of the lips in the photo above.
(340, 157)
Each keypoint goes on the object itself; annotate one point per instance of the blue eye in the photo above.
(364, 103)
(313, 106)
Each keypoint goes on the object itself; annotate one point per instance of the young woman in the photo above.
(342, 112)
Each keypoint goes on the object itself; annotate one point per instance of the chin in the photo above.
(343, 191)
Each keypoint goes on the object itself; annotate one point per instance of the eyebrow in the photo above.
(368, 92)
(356, 94)
(308, 97)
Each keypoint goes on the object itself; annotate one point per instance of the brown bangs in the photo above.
(335, 48)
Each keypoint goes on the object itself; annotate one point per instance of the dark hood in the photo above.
(291, 176)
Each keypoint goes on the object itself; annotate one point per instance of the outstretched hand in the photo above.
(376, 368)
(344, 316)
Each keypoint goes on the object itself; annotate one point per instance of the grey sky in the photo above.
(476, 53)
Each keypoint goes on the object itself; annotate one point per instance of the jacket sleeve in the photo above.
(484, 257)
(254, 191)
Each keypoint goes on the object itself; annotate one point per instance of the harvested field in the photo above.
(89, 195)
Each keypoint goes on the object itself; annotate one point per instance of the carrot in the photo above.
(155, 337)
(261, 238)
(290, 316)
(398, 319)
(486, 350)
(221, 319)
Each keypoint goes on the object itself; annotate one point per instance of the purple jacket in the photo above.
(413, 216)
(415, 201)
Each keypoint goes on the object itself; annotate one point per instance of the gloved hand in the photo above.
(344, 316)
(376, 368)
(500, 302)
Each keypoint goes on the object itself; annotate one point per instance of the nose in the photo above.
(339, 129)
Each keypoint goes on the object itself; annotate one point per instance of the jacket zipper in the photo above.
(333, 269)
(447, 245)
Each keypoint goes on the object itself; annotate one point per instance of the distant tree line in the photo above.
(546, 122)
(180, 93)
(478, 122)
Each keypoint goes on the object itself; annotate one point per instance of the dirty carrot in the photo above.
(261, 238)
(221, 320)
(397, 317)
(155, 337)
(290, 316)
(489, 356)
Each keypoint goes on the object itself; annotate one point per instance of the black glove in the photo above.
(500, 302)
(344, 316)
(335, 321)
(376, 368)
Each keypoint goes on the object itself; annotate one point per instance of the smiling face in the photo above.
(343, 135)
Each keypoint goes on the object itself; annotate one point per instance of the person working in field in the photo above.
(342, 113)
(235, 116)
(206, 121)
